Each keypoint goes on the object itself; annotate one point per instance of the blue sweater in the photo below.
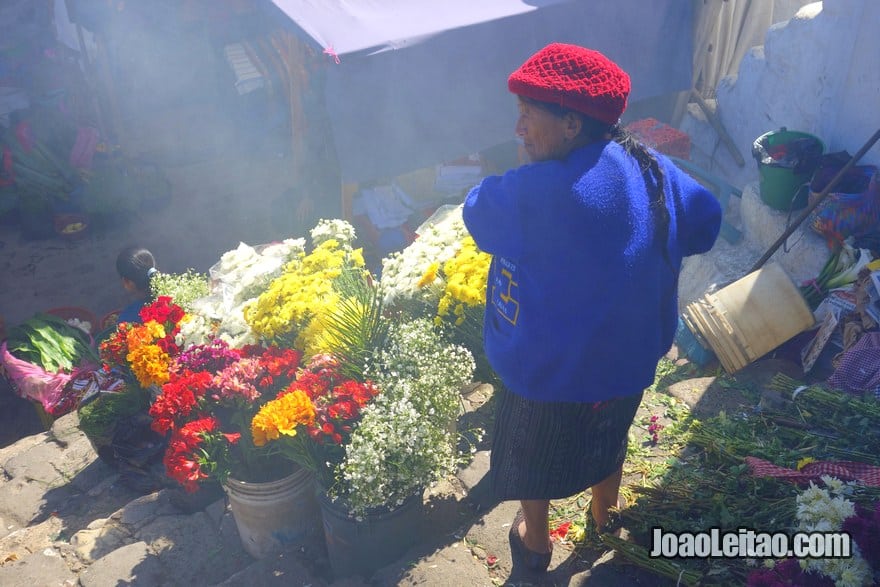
(580, 303)
(132, 312)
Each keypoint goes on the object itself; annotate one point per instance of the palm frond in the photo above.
(357, 326)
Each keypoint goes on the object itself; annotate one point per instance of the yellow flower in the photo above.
(804, 462)
(430, 275)
(150, 364)
(466, 274)
(282, 416)
(301, 293)
(443, 306)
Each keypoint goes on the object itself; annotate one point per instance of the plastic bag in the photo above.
(246, 271)
(35, 383)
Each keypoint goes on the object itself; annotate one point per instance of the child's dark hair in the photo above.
(137, 264)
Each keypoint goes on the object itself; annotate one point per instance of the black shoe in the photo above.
(534, 561)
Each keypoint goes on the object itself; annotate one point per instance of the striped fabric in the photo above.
(843, 470)
(552, 450)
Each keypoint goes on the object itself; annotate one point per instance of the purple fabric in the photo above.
(859, 368)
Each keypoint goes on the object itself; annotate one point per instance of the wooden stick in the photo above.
(822, 195)
(713, 119)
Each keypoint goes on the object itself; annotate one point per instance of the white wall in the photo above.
(818, 72)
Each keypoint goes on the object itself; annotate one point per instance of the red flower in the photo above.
(232, 437)
(164, 311)
(561, 531)
(113, 350)
(361, 393)
(281, 363)
(179, 398)
(180, 462)
(344, 410)
(168, 345)
(336, 399)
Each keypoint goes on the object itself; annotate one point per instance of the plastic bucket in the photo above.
(361, 546)
(691, 344)
(751, 316)
(786, 162)
(275, 515)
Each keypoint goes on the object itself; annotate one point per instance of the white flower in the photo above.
(406, 438)
(195, 329)
(818, 511)
(335, 229)
(402, 271)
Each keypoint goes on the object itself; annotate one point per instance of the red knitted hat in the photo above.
(576, 78)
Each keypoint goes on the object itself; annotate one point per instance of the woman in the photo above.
(587, 242)
(135, 265)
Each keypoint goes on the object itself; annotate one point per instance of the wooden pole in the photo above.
(713, 119)
(822, 195)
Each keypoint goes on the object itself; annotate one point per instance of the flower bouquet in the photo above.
(407, 438)
(824, 509)
(462, 303)
(375, 443)
(443, 274)
(184, 288)
(407, 276)
(145, 351)
(298, 305)
(136, 359)
(311, 420)
(236, 280)
(207, 404)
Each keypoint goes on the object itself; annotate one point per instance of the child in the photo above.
(135, 265)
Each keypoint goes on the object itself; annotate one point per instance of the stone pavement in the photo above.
(68, 521)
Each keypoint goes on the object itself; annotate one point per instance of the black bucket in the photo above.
(363, 546)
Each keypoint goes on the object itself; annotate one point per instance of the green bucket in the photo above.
(786, 162)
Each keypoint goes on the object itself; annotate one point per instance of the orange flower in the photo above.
(150, 364)
(282, 416)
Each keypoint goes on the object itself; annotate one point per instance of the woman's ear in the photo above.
(573, 125)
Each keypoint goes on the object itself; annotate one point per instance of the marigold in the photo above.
(150, 364)
(282, 416)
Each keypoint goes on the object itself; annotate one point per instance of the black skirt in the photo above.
(552, 450)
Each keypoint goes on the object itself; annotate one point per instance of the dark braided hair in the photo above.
(649, 165)
(593, 130)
